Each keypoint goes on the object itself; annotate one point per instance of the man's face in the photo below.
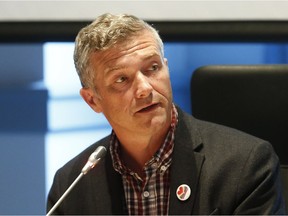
(133, 86)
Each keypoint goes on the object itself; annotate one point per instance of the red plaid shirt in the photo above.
(150, 195)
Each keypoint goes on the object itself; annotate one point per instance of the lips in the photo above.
(148, 108)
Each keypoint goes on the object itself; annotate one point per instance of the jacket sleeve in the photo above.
(259, 190)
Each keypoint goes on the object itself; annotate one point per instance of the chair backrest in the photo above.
(251, 98)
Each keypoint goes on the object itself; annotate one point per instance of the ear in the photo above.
(92, 99)
(166, 61)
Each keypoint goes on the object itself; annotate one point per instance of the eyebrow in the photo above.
(111, 69)
(151, 56)
(145, 58)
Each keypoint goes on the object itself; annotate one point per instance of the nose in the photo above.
(142, 86)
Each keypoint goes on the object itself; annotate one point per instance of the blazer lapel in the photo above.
(186, 165)
(116, 189)
(106, 181)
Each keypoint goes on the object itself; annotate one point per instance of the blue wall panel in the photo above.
(23, 125)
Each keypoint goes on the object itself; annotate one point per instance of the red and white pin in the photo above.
(183, 192)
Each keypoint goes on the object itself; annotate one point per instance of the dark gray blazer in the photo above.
(229, 172)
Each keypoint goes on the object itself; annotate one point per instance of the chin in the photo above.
(160, 122)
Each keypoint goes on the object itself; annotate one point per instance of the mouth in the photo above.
(149, 108)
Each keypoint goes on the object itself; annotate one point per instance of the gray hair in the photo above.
(105, 32)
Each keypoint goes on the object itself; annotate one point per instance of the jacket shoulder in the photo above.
(74, 166)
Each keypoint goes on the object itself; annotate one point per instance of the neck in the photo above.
(137, 150)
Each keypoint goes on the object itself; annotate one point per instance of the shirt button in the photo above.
(163, 169)
(154, 165)
(146, 194)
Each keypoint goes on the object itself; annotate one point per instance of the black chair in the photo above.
(251, 98)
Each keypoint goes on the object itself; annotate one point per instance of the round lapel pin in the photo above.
(183, 192)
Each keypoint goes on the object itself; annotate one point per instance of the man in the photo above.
(159, 159)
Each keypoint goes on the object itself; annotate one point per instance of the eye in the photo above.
(121, 79)
(154, 67)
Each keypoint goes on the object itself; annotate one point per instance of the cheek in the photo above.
(116, 103)
(163, 86)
